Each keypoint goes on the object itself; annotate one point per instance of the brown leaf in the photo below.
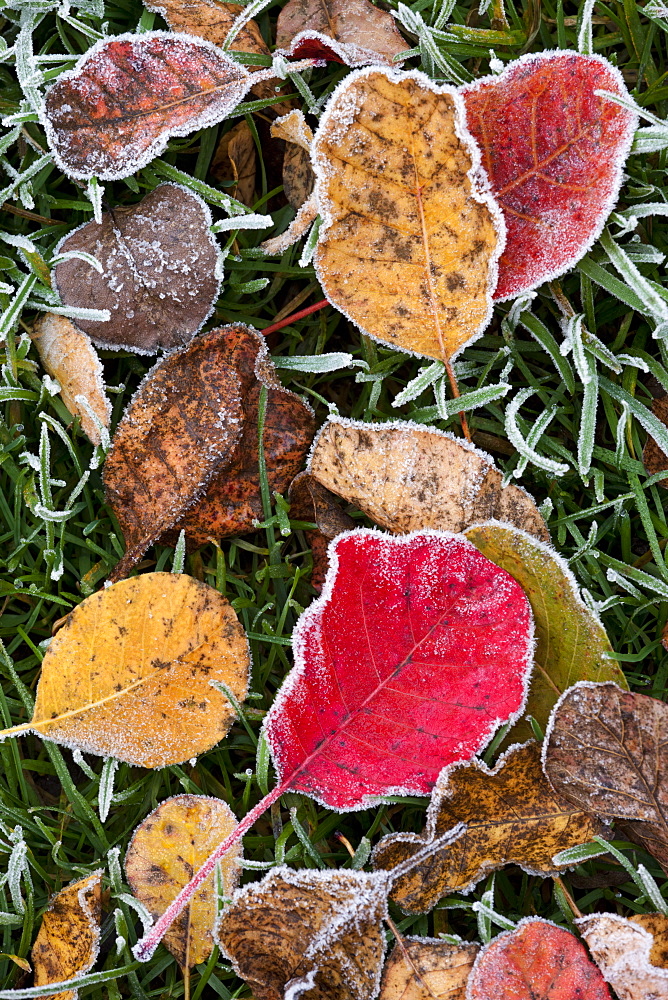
(182, 424)
(166, 849)
(405, 477)
(310, 501)
(68, 941)
(605, 750)
(654, 459)
(622, 949)
(116, 110)
(68, 356)
(410, 237)
(353, 32)
(442, 968)
(298, 176)
(129, 673)
(235, 159)
(512, 816)
(316, 934)
(161, 273)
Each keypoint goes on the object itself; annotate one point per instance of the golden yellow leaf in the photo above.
(431, 969)
(171, 844)
(68, 941)
(129, 674)
(410, 235)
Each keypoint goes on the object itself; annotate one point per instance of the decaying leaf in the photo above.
(68, 940)
(235, 160)
(310, 501)
(316, 934)
(410, 235)
(68, 356)
(115, 111)
(353, 32)
(405, 476)
(441, 967)
(161, 271)
(129, 673)
(622, 949)
(166, 849)
(299, 225)
(554, 150)
(653, 458)
(605, 749)
(655, 924)
(298, 176)
(571, 642)
(512, 816)
(536, 961)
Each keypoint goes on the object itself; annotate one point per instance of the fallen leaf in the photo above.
(294, 128)
(310, 501)
(554, 151)
(235, 160)
(298, 176)
(405, 476)
(512, 816)
(353, 32)
(129, 673)
(653, 458)
(117, 109)
(68, 940)
(605, 750)
(161, 271)
(622, 950)
(166, 850)
(442, 967)
(536, 961)
(182, 424)
(68, 356)
(655, 924)
(410, 235)
(307, 933)
(571, 642)
(305, 216)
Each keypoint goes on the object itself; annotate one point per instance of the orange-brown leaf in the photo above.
(654, 459)
(68, 940)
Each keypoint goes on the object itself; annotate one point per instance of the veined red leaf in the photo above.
(554, 151)
(418, 649)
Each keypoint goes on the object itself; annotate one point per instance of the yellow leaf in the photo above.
(68, 941)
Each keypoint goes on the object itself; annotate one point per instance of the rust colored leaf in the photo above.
(410, 236)
(129, 673)
(622, 949)
(235, 160)
(653, 458)
(166, 848)
(182, 424)
(161, 271)
(512, 816)
(68, 356)
(536, 961)
(405, 477)
(316, 934)
(554, 151)
(68, 940)
(435, 970)
(353, 32)
(605, 750)
(115, 111)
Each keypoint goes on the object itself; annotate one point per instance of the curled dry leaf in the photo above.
(512, 816)
(68, 356)
(605, 750)
(298, 176)
(622, 949)
(129, 673)
(435, 970)
(405, 476)
(68, 941)
(536, 961)
(571, 642)
(115, 111)
(166, 849)
(310, 501)
(353, 32)
(410, 236)
(554, 150)
(653, 458)
(235, 160)
(316, 934)
(161, 271)
(305, 216)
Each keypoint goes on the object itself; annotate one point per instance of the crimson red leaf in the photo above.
(554, 152)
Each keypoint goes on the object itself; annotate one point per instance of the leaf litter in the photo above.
(421, 968)
(353, 32)
(235, 160)
(622, 949)
(68, 940)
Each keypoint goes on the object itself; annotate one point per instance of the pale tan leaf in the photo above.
(435, 970)
(622, 949)
(68, 940)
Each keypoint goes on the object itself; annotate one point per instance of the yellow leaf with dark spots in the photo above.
(68, 941)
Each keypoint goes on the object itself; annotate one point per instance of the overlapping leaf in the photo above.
(353, 32)
(68, 941)
(623, 950)
(428, 968)
(654, 459)
(235, 160)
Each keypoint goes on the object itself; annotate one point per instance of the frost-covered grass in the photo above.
(58, 541)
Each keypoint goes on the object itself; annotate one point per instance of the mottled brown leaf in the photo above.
(68, 940)
(315, 934)
(353, 32)
(298, 176)
(622, 949)
(653, 458)
(512, 816)
(435, 970)
(161, 271)
(235, 160)
(310, 501)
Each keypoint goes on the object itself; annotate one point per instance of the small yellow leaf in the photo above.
(21, 962)
(68, 941)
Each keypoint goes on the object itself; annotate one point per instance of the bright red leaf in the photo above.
(536, 961)
(554, 152)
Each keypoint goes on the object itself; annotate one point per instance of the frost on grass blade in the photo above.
(353, 32)
(554, 152)
(115, 111)
(68, 941)
(159, 277)
(623, 950)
